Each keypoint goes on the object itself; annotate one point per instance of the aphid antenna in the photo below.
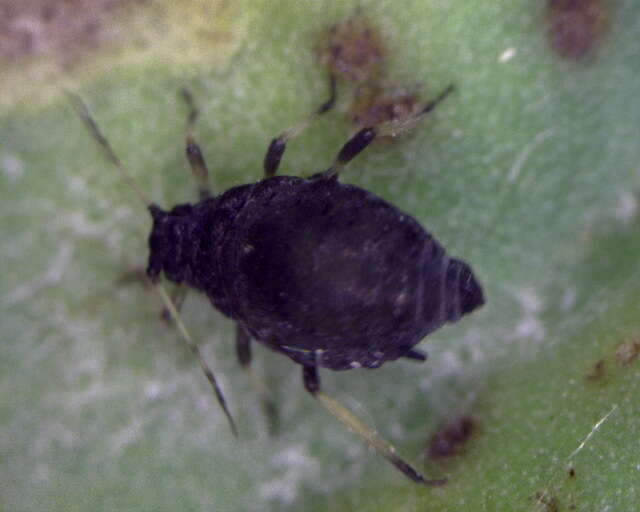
(83, 112)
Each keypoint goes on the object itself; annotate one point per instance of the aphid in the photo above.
(325, 273)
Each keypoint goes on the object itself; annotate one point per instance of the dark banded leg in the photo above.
(243, 352)
(347, 418)
(416, 355)
(356, 144)
(279, 144)
(192, 149)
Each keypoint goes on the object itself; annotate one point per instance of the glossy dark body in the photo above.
(326, 273)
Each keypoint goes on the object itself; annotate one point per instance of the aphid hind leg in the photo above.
(193, 151)
(278, 145)
(348, 419)
(243, 352)
(356, 144)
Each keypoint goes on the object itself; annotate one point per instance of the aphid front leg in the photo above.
(279, 144)
(200, 172)
(243, 352)
(93, 128)
(192, 149)
(349, 420)
(178, 295)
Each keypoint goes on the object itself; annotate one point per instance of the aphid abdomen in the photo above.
(462, 292)
(330, 274)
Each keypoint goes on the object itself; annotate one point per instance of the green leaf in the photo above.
(529, 172)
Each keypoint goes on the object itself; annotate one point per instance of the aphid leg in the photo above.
(94, 130)
(279, 144)
(356, 144)
(198, 355)
(347, 418)
(194, 154)
(416, 355)
(178, 295)
(243, 351)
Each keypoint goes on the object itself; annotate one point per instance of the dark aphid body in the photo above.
(326, 273)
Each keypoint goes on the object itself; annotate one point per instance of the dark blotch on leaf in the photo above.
(352, 49)
(576, 26)
(375, 104)
(546, 502)
(450, 438)
(628, 352)
(597, 372)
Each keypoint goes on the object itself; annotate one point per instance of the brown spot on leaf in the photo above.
(451, 437)
(597, 372)
(375, 104)
(628, 352)
(59, 30)
(546, 502)
(353, 49)
(577, 26)
(571, 472)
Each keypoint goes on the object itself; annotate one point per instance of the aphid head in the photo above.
(157, 242)
(169, 242)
